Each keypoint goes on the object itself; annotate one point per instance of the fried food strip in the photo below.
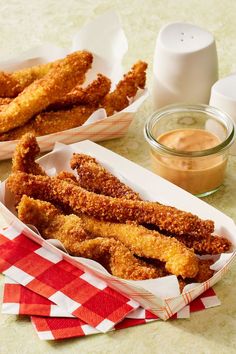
(95, 178)
(179, 260)
(68, 229)
(80, 201)
(68, 176)
(90, 95)
(125, 89)
(209, 245)
(116, 258)
(41, 93)
(24, 156)
(51, 122)
(203, 274)
(145, 243)
(11, 84)
(76, 116)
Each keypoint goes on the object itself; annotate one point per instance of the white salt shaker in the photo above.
(185, 65)
(223, 97)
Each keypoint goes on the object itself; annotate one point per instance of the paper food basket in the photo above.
(161, 296)
(106, 40)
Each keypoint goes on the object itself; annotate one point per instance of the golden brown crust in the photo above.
(125, 89)
(204, 272)
(68, 229)
(11, 84)
(51, 122)
(179, 260)
(90, 95)
(207, 245)
(95, 178)
(24, 156)
(56, 190)
(60, 79)
(149, 244)
(4, 101)
(66, 104)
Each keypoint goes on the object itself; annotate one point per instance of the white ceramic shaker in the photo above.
(185, 65)
(223, 97)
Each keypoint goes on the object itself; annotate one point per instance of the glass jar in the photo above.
(190, 145)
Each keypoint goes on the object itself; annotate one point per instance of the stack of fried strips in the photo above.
(48, 98)
(96, 216)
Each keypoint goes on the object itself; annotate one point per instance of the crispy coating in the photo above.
(11, 84)
(209, 245)
(79, 200)
(125, 89)
(68, 176)
(24, 156)
(51, 122)
(72, 110)
(145, 243)
(45, 91)
(68, 229)
(95, 178)
(4, 101)
(204, 274)
(179, 260)
(90, 95)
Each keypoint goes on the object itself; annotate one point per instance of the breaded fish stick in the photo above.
(125, 89)
(142, 242)
(51, 122)
(41, 93)
(204, 273)
(24, 156)
(207, 245)
(95, 178)
(178, 260)
(80, 201)
(112, 254)
(90, 95)
(11, 84)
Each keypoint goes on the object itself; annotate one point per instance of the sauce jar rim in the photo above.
(219, 115)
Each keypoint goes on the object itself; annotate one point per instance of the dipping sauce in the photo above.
(197, 175)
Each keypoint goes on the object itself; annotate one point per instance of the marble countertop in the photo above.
(26, 24)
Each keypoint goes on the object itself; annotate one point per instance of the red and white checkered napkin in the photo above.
(47, 274)
(19, 300)
(64, 301)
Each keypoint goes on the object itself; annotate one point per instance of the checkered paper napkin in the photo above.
(47, 274)
(52, 322)
(78, 304)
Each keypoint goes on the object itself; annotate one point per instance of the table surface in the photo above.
(26, 24)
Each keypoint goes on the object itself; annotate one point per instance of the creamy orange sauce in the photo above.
(197, 175)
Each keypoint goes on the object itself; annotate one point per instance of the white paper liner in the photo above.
(153, 188)
(105, 38)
